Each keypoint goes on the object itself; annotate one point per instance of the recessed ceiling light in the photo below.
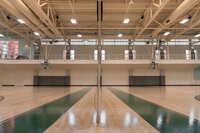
(120, 35)
(131, 2)
(166, 33)
(126, 21)
(35, 43)
(73, 21)
(1, 35)
(21, 21)
(184, 21)
(198, 35)
(36, 33)
(79, 35)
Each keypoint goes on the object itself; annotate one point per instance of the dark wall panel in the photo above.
(51, 80)
(146, 80)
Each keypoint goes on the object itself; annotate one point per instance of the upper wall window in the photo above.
(83, 42)
(179, 42)
(103, 54)
(9, 49)
(119, 42)
(115, 41)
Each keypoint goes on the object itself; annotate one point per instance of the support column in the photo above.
(152, 50)
(30, 51)
(69, 49)
(168, 55)
(65, 50)
(130, 48)
(46, 52)
(99, 60)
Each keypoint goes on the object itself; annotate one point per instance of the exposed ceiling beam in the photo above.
(183, 8)
(114, 14)
(28, 13)
(150, 16)
(191, 25)
(86, 36)
(12, 9)
(35, 7)
(85, 28)
(14, 30)
(184, 30)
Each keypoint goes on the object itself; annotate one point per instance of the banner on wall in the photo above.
(9, 49)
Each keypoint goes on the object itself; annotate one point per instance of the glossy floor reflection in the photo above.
(115, 117)
(39, 119)
(164, 120)
(180, 99)
(21, 99)
(132, 110)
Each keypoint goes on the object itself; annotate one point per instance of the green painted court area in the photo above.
(39, 119)
(164, 120)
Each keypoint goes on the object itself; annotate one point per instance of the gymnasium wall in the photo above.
(17, 74)
(1, 77)
(79, 74)
(87, 74)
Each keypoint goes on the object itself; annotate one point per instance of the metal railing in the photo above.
(91, 57)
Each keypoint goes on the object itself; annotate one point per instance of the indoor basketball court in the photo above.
(100, 66)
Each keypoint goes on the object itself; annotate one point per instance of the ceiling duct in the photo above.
(27, 12)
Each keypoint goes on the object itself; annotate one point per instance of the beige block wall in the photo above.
(179, 74)
(56, 70)
(23, 74)
(80, 74)
(176, 77)
(87, 74)
(1, 77)
(115, 75)
(83, 75)
(17, 74)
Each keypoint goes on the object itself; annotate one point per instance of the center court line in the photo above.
(164, 120)
(39, 119)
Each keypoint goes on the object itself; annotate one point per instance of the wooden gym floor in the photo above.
(171, 109)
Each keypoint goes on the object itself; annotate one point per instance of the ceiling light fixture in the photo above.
(36, 33)
(21, 21)
(184, 21)
(1, 35)
(120, 35)
(131, 2)
(79, 35)
(126, 21)
(198, 35)
(166, 33)
(73, 21)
